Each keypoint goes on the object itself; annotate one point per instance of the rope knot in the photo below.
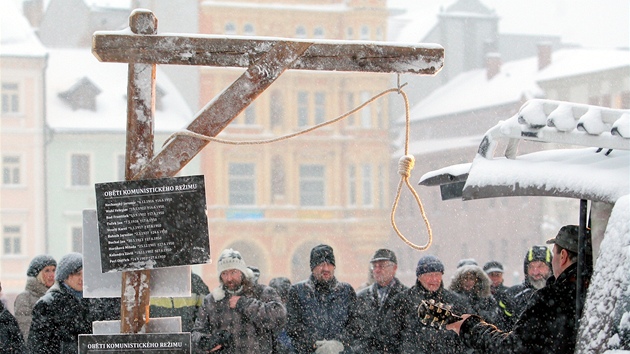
(405, 165)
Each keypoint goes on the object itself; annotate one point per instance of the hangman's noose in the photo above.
(405, 164)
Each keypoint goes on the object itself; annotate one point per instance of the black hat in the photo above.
(68, 264)
(567, 238)
(384, 255)
(321, 254)
(537, 253)
(429, 264)
(38, 263)
(492, 267)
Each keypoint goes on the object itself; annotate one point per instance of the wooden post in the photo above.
(135, 297)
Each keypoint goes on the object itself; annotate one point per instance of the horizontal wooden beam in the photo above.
(235, 51)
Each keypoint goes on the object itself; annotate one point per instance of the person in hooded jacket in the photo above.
(537, 269)
(402, 328)
(238, 316)
(471, 282)
(11, 340)
(321, 308)
(40, 277)
(62, 313)
(548, 325)
(372, 301)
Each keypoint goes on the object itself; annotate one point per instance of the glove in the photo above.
(221, 337)
(328, 347)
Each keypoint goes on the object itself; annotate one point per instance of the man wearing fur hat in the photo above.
(62, 314)
(548, 324)
(402, 327)
(321, 308)
(238, 316)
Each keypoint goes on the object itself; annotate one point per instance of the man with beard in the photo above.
(372, 300)
(238, 316)
(537, 269)
(402, 328)
(548, 324)
(321, 308)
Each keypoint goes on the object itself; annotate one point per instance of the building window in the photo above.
(350, 104)
(381, 187)
(79, 170)
(366, 112)
(320, 107)
(349, 33)
(352, 185)
(365, 33)
(11, 167)
(10, 97)
(275, 109)
(248, 30)
(77, 239)
(12, 239)
(250, 114)
(367, 184)
(379, 34)
(230, 28)
(318, 32)
(120, 167)
(277, 177)
(242, 184)
(302, 107)
(300, 32)
(311, 185)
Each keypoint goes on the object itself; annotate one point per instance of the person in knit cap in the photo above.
(40, 277)
(62, 313)
(321, 308)
(402, 328)
(238, 316)
(537, 269)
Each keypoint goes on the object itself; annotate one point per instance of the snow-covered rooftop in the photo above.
(67, 67)
(280, 6)
(17, 38)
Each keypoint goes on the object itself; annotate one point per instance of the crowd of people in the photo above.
(323, 314)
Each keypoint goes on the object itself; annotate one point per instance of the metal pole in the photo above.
(581, 263)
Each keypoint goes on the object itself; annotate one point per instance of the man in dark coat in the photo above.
(548, 324)
(494, 270)
(371, 302)
(62, 313)
(11, 340)
(537, 269)
(402, 328)
(321, 308)
(238, 316)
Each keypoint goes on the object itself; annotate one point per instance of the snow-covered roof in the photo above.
(17, 38)
(339, 7)
(584, 22)
(600, 172)
(66, 67)
(518, 79)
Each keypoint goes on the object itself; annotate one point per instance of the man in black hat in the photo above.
(548, 324)
(494, 270)
(371, 302)
(321, 309)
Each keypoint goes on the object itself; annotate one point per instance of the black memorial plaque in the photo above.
(163, 343)
(152, 223)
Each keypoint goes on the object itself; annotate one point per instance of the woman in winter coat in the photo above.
(62, 314)
(472, 282)
(11, 341)
(41, 276)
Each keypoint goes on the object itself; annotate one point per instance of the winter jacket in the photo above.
(369, 315)
(500, 294)
(320, 312)
(251, 327)
(403, 331)
(184, 307)
(480, 296)
(516, 299)
(58, 319)
(25, 302)
(11, 340)
(547, 325)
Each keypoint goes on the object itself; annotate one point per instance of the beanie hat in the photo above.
(466, 261)
(429, 264)
(38, 263)
(231, 259)
(68, 264)
(493, 266)
(321, 254)
(537, 253)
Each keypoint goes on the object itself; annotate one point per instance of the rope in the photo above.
(405, 164)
